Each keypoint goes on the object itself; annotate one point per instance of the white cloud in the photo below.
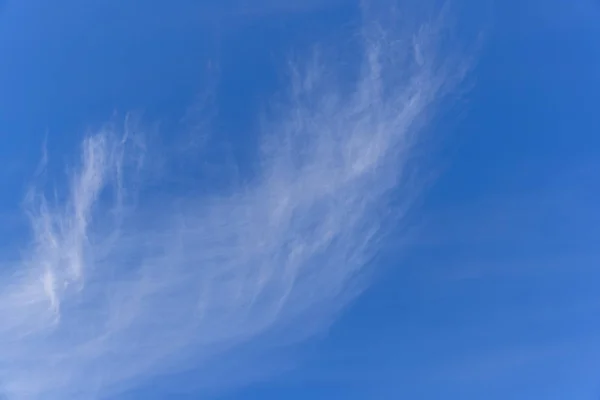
(113, 291)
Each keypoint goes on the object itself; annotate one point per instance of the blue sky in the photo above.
(317, 199)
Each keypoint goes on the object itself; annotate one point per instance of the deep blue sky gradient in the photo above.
(496, 295)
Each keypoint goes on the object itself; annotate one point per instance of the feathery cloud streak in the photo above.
(112, 291)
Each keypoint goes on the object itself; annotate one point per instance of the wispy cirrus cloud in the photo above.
(121, 283)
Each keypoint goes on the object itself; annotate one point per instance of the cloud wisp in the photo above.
(121, 283)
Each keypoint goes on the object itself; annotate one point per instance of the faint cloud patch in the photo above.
(126, 278)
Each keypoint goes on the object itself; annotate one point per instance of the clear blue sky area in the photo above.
(486, 288)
